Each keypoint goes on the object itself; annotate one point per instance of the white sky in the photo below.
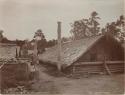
(21, 18)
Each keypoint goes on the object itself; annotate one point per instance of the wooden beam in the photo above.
(114, 62)
(73, 69)
(1, 66)
(88, 63)
(59, 45)
(107, 68)
(99, 63)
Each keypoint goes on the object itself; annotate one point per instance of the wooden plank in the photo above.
(23, 59)
(87, 72)
(86, 69)
(109, 66)
(88, 63)
(117, 70)
(115, 62)
(7, 44)
(89, 69)
(99, 63)
(107, 69)
(73, 69)
(1, 66)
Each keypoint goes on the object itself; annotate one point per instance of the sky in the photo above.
(21, 18)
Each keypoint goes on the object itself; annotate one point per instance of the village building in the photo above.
(96, 54)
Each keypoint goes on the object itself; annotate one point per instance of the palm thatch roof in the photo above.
(71, 51)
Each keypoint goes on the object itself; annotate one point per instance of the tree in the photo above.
(117, 28)
(94, 14)
(1, 35)
(39, 34)
(86, 27)
(94, 22)
(20, 42)
(4, 39)
(51, 43)
(41, 41)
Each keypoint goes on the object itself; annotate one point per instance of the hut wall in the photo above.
(103, 50)
(88, 69)
(82, 68)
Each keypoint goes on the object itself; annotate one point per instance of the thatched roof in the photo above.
(71, 51)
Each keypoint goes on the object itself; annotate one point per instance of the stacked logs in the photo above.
(98, 67)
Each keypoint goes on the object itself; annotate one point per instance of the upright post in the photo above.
(106, 66)
(59, 45)
(1, 35)
(35, 54)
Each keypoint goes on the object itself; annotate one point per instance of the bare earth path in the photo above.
(93, 85)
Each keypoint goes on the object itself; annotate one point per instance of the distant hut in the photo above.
(97, 54)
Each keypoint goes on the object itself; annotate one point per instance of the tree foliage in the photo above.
(51, 43)
(1, 35)
(4, 39)
(41, 40)
(86, 27)
(117, 28)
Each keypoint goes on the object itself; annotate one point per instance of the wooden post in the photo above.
(16, 53)
(35, 54)
(106, 66)
(73, 70)
(59, 46)
(35, 48)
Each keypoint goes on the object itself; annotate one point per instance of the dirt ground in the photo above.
(48, 83)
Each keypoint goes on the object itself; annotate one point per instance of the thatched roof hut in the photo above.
(90, 49)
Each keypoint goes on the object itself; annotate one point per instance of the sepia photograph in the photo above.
(62, 47)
